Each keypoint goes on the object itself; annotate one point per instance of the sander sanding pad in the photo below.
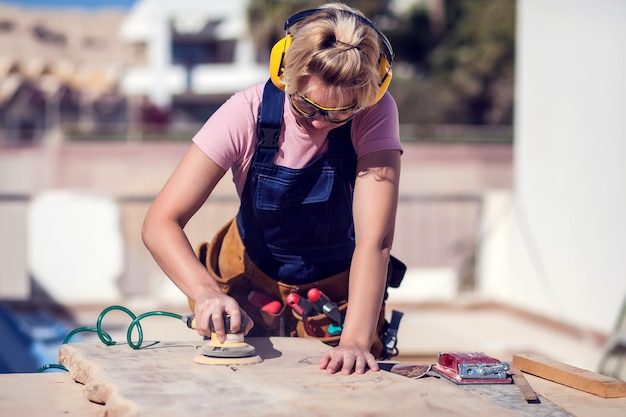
(209, 360)
(234, 351)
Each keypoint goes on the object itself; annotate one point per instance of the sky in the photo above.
(86, 4)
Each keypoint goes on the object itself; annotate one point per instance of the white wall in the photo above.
(568, 240)
(75, 246)
(14, 282)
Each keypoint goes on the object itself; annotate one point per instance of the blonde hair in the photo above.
(340, 49)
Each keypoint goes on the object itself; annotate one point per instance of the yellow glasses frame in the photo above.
(328, 112)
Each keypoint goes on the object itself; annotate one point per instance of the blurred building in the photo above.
(59, 67)
(158, 68)
(196, 53)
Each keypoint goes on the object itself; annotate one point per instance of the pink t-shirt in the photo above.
(229, 136)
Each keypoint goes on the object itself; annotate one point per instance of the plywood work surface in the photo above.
(163, 380)
(47, 394)
(576, 402)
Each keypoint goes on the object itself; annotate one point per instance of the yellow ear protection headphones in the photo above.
(277, 56)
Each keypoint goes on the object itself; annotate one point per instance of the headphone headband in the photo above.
(279, 50)
(387, 50)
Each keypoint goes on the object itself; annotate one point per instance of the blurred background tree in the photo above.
(454, 59)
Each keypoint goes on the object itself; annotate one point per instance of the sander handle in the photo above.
(190, 320)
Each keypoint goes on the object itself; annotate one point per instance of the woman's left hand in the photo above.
(348, 359)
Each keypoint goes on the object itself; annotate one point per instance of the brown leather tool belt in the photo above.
(226, 260)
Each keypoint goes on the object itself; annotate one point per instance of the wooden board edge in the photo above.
(571, 376)
(524, 386)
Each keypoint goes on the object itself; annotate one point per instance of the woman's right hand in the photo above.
(211, 305)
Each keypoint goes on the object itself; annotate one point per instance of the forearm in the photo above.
(162, 232)
(375, 203)
(368, 275)
(170, 247)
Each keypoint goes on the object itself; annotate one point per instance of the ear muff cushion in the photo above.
(277, 58)
(385, 76)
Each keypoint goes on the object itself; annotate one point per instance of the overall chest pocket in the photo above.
(292, 189)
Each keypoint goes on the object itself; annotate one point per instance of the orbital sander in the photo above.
(234, 351)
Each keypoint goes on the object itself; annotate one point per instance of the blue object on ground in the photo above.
(30, 338)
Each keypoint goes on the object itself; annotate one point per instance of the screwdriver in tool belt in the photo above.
(323, 305)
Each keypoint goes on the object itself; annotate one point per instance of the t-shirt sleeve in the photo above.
(227, 135)
(377, 128)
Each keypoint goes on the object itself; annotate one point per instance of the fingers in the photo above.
(348, 361)
(372, 364)
(231, 325)
(249, 324)
(325, 361)
(203, 317)
(336, 361)
(210, 312)
(217, 321)
(235, 320)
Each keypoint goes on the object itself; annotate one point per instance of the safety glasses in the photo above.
(307, 108)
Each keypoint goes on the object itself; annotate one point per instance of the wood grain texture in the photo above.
(164, 380)
(44, 394)
(571, 376)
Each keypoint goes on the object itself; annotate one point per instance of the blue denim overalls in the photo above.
(296, 224)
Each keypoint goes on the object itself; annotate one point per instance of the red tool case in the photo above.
(472, 368)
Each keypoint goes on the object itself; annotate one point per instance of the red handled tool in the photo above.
(303, 307)
(323, 305)
(264, 302)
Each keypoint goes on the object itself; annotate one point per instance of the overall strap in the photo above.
(270, 116)
(270, 122)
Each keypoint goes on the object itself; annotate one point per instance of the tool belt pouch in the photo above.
(396, 270)
(222, 261)
(270, 322)
(238, 287)
(224, 258)
(317, 326)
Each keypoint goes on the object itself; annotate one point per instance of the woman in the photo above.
(316, 212)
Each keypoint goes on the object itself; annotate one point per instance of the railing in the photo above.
(440, 231)
(145, 132)
(432, 231)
